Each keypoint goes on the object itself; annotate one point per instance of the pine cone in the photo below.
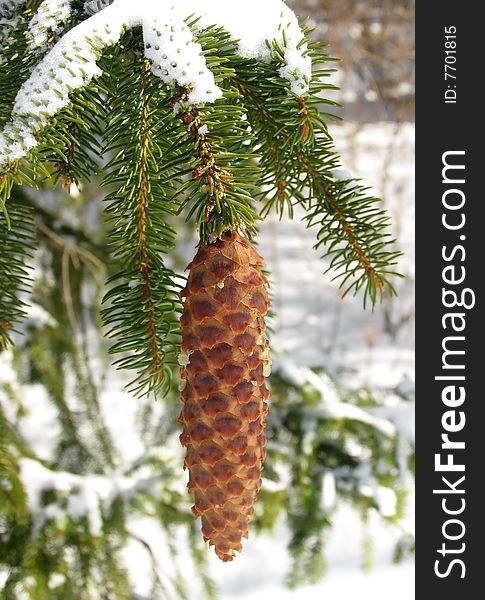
(224, 360)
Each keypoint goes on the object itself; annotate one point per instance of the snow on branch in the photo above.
(80, 496)
(332, 406)
(50, 18)
(175, 54)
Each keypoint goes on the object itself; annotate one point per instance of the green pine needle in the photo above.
(17, 243)
(142, 302)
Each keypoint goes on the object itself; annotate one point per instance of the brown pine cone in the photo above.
(224, 360)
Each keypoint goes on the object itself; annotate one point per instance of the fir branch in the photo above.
(6, 185)
(13, 499)
(17, 245)
(142, 302)
(73, 132)
(213, 211)
(70, 146)
(352, 227)
(15, 60)
(145, 262)
(224, 170)
(18, 173)
(298, 160)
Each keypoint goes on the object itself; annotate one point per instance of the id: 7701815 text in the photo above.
(450, 65)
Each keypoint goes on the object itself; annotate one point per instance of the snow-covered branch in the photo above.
(171, 46)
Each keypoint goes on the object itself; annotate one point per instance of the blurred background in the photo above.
(105, 512)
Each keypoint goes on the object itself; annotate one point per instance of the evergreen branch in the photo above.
(69, 139)
(224, 175)
(213, 209)
(298, 160)
(143, 300)
(18, 173)
(15, 60)
(353, 230)
(6, 185)
(17, 245)
(146, 266)
(282, 124)
(336, 207)
(70, 145)
(13, 499)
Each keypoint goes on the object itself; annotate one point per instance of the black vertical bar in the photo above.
(449, 119)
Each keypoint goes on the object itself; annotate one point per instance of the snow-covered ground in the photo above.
(258, 574)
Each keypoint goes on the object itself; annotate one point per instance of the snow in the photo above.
(259, 572)
(38, 316)
(386, 501)
(331, 406)
(8, 376)
(39, 425)
(329, 491)
(8, 21)
(341, 175)
(175, 54)
(56, 580)
(87, 495)
(259, 23)
(49, 19)
(176, 57)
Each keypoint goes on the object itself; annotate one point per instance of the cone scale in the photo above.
(224, 362)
